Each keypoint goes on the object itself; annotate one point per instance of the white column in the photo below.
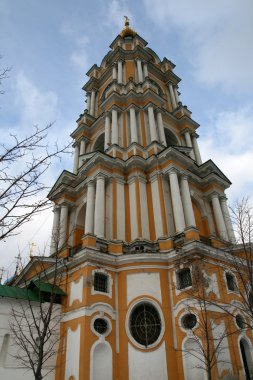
(120, 72)
(189, 143)
(145, 70)
(227, 219)
(76, 158)
(99, 222)
(82, 150)
(156, 207)
(176, 95)
(139, 70)
(120, 193)
(218, 216)
(89, 217)
(133, 209)
(187, 202)
(55, 230)
(161, 128)
(196, 149)
(172, 96)
(152, 125)
(82, 146)
(133, 125)
(88, 102)
(114, 72)
(115, 131)
(144, 208)
(63, 226)
(176, 202)
(92, 103)
(107, 131)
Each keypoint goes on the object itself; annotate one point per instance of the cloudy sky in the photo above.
(50, 45)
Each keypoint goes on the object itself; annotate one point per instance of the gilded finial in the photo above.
(126, 21)
(127, 31)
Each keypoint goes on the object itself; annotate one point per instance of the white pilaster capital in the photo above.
(214, 195)
(91, 183)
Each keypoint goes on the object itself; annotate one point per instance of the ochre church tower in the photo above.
(138, 210)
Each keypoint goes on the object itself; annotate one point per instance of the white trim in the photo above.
(101, 316)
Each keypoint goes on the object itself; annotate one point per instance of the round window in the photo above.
(189, 321)
(100, 326)
(145, 324)
(240, 321)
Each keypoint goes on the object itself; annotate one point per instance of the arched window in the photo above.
(231, 282)
(170, 138)
(246, 358)
(100, 143)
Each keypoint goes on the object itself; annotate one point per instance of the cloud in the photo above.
(216, 36)
(35, 106)
(79, 56)
(228, 142)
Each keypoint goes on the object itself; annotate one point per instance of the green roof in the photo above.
(47, 287)
(18, 293)
(29, 293)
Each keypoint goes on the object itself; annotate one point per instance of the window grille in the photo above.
(145, 324)
(231, 284)
(184, 278)
(101, 282)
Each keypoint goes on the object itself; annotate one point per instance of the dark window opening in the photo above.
(240, 321)
(231, 284)
(189, 321)
(145, 324)
(101, 282)
(100, 326)
(184, 278)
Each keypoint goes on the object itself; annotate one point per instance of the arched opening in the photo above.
(4, 349)
(101, 365)
(100, 143)
(246, 358)
(193, 361)
(79, 227)
(201, 222)
(170, 137)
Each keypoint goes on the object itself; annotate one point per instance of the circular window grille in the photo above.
(100, 326)
(145, 324)
(240, 321)
(189, 321)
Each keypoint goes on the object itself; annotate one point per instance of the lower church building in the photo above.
(140, 232)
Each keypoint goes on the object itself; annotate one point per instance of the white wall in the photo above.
(11, 369)
(144, 365)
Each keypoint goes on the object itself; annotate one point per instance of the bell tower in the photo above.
(138, 197)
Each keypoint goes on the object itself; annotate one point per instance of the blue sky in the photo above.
(52, 44)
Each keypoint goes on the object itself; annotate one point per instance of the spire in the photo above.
(127, 31)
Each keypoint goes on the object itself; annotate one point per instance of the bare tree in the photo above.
(22, 165)
(35, 323)
(209, 327)
(240, 260)
(4, 74)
